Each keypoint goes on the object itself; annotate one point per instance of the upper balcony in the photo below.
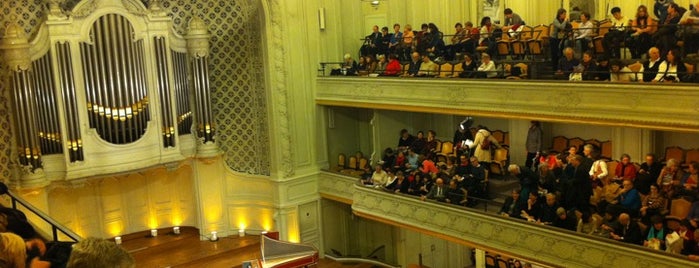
(545, 244)
(671, 107)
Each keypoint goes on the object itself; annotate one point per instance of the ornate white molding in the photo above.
(197, 38)
(656, 106)
(15, 46)
(336, 186)
(544, 244)
(84, 8)
(278, 79)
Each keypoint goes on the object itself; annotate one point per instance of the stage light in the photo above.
(241, 233)
(176, 230)
(214, 236)
(154, 232)
(117, 240)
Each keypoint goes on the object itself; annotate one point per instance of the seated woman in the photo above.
(420, 143)
(381, 65)
(672, 68)
(379, 178)
(469, 67)
(362, 67)
(625, 169)
(400, 184)
(669, 178)
(589, 66)
(431, 146)
(642, 29)
(393, 68)
(654, 203)
(513, 205)
(487, 68)
(656, 234)
(586, 223)
(582, 37)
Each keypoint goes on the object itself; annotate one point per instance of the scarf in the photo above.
(656, 234)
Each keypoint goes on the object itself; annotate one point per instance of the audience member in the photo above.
(414, 65)
(487, 35)
(625, 170)
(484, 144)
(533, 143)
(532, 207)
(438, 191)
(528, 181)
(393, 68)
(379, 178)
(625, 230)
(660, 9)
(456, 194)
(670, 177)
(665, 38)
(582, 37)
(406, 140)
(580, 187)
(566, 220)
(513, 205)
(512, 19)
(396, 39)
(428, 68)
(586, 223)
(349, 66)
(618, 72)
(468, 66)
(419, 143)
(589, 72)
(672, 68)
(99, 253)
(642, 29)
(650, 67)
(688, 184)
(400, 184)
(656, 234)
(690, 22)
(457, 42)
(435, 49)
(463, 137)
(381, 64)
(629, 199)
(412, 161)
(654, 203)
(648, 174)
(561, 27)
(617, 33)
(599, 171)
(487, 68)
(566, 64)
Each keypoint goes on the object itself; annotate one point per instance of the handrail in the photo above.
(55, 226)
(361, 260)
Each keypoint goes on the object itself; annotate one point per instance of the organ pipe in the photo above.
(182, 93)
(74, 140)
(168, 130)
(114, 77)
(198, 48)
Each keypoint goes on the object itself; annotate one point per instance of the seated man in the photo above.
(513, 205)
(624, 230)
(379, 178)
(548, 211)
(617, 33)
(532, 208)
(566, 220)
(629, 199)
(438, 192)
(414, 65)
(427, 68)
(649, 70)
(477, 181)
(566, 64)
(455, 193)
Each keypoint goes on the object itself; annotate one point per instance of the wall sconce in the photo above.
(153, 232)
(214, 236)
(176, 230)
(241, 233)
(117, 240)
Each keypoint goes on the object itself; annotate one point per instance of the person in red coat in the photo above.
(625, 170)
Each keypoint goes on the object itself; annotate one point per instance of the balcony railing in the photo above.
(545, 244)
(646, 105)
(56, 227)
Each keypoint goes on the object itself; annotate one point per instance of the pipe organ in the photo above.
(107, 87)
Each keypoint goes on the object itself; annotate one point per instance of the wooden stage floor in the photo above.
(187, 250)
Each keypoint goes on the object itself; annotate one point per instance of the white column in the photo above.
(480, 258)
(518, 138)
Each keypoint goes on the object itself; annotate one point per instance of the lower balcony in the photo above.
(486, 231)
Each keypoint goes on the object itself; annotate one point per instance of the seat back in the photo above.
(447, 148)
(445, 70)
(353, 164)
(611, 167)
(527, 33)
(341, 160)
(499, 135)
(604, 27)
(680, 208)
(503, 48)
(519, 48)
(439, 146)
(690, 67)
(674, 152)
(490, 261)
(606, 149)
(363, 162)
(560, 144)
(500, 155)
(458, 68)
(692, 156)
(541, 32)
(577, 142)
(503, 263)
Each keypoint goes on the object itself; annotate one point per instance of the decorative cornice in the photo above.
(15, 47)
(662, 107)
(197, 38)
(278, 82)
(544, 244)
(84, 8)
(336, 186)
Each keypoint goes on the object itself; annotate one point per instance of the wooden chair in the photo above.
(439, 146)
(680, 208)
(636, 69)
(341, 162)
(536, 45)
(690, 67)
(447, 149)
(692, 156)
(560, 144)
(445, 70)
(500, 159)
(499, 135)
(598, 41)
(611, 167)
(503, 263)
(503, 48)
(490, 261)
(674, 152)
(351, 165)
(577, 142)
(458, 68)
(606, 149)
(361, 165)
